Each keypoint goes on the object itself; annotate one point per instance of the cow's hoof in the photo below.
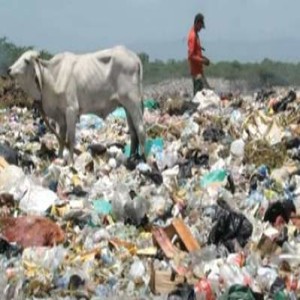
(143, 158)
(132, 162)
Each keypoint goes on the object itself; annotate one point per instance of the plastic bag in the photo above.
(90, 121)
(43, 257)
(282, 104)
(10, 177)
(127, 209)
(213, 134)
(279, 209)
(237, 148)
(207, 99)
(238, 292)
(150, 104)
(102, 206)
(36, 199)
(137, 271)
(230, 225)
(9, 154)
(118, 113)
(213, 176)
(183, 291)
(152, 146)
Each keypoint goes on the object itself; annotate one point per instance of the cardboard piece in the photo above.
(186, 240)
(175, 238)
(161, 239)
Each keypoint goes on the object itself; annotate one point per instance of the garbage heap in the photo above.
(213, 214)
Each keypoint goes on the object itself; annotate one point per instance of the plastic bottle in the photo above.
(266, 277)
(231, 275)
(137, 271)
(207, 253)
(204, 290)
(253, 262)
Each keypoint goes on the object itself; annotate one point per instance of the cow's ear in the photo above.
(38, 73)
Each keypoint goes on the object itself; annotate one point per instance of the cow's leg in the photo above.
(136, 114)
(62, 137)
(133, 136)
(71, 117)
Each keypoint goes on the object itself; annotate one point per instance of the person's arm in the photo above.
(206, 60)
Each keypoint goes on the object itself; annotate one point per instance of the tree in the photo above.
(267, 72)
(144, 58)
(9, 53)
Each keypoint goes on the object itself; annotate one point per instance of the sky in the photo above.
(244, 30)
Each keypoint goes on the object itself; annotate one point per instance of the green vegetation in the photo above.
(256, 74)
(9, 52)
(265, 73)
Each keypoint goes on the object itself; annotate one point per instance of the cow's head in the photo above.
(27, 72)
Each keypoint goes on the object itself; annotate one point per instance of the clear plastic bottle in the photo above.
(231, 275)
(137, 271)
(266, 277)
(253, 262)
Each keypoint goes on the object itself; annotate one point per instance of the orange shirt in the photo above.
(194, 53)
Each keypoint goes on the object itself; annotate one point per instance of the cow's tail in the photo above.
(140, 71)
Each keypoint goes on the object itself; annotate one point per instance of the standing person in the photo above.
(195, 57)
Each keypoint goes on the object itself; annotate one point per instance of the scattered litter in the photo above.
(213, 212)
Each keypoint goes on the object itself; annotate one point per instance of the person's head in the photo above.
(199, 22)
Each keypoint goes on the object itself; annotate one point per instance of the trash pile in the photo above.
(12, 95)
(212, 214)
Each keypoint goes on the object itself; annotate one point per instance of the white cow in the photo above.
(69, 85)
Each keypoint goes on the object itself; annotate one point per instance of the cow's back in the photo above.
(104, 76)
(124, 60)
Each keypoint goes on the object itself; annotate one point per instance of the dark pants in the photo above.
(198, 85)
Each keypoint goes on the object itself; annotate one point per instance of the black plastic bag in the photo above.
(283, 209)
(283, 103)
(9, 154)
(9, 250)
(230, 226)
(213, 134)
(292, 143)
(97, 149)
(183, 291)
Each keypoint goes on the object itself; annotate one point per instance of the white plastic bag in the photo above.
(10, 177)
(35, 199)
